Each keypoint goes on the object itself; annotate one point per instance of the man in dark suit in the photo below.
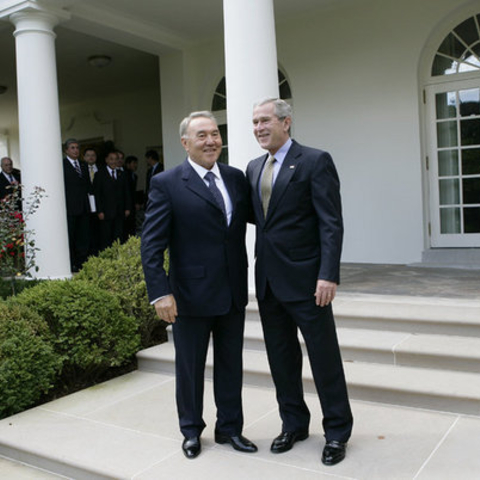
(77, 187)
(112, 199)
(155, 167)
(90, 158)
(198, 211)
(131, 164)
(8, 178)
(295, 195)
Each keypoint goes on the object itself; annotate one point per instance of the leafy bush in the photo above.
(118, 269)
(28, 364)
(89, 330)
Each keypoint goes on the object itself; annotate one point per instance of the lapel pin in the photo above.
(292, 166)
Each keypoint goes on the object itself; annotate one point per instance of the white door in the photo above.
(453, 120)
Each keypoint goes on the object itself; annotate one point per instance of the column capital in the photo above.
(46, 13)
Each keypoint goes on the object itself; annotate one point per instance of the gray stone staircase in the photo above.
(413, 351)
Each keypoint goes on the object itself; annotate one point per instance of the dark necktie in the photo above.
(77, 167)
(113, 175)
(217, 195)
(10, 177)
(266, 184)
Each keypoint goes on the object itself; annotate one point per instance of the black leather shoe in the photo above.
(333, 452)
(286, 440)
(191, 447)
(238, 442)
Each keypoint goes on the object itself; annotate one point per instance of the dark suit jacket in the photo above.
(112, 197)
(300, 241)
(76, 188)
(208, 260)
(151, 173)
(5, 184)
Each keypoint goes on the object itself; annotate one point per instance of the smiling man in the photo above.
(295, 193)
(198, 211)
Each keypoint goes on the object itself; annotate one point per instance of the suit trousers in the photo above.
(78, 238)
(280, 322)
(110, 230)
(191, 337)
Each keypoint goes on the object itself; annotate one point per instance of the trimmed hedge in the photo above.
(88, 329)
(118, 269)
(28, 363)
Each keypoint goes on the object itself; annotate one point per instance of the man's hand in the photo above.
(166, 308)
(325, 292)
(127, 213)
(101, 216)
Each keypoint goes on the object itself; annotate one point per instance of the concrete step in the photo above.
(447, 391)
(402, 314)
(440, 352)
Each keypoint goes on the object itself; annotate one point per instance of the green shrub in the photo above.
(118, 269)
(89, 330)
(28, 363)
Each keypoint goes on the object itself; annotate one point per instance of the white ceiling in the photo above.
(133, 33)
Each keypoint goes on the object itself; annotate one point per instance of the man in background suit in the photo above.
(77, 187)
(295, 194)
(155, 166)
(90, 158)
(198, 211)
(8, 178)
(112, 199)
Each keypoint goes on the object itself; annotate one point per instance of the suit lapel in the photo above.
(230, 185)
(256, 171)
(195, 184)
(284, 176)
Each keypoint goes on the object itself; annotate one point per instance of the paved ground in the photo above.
(127, 428)
(410, 281)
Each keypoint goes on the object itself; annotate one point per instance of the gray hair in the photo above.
(282, 108)
(69, 141)
(185, 123)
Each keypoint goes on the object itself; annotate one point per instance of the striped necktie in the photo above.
(217, 195)
(266, 184)
(77, 167)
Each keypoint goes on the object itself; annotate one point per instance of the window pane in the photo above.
(469, 102)
(471, 161)
(452, 47)
(471, 220)
(448, 163)
(446, 105)
(443, 66)
(467, 31)
(218, 103)
(447, 134)
(224, 133)
(449, 192)
(450, 220)
(471, 191)
(470, 132)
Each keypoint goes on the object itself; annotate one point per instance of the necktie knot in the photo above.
(77, 167)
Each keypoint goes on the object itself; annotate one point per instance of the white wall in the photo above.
(354, 74)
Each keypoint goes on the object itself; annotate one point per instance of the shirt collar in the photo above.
(202, 171)
(282, 151)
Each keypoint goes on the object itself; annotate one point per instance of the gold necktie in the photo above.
(266, 184)
(92, 173)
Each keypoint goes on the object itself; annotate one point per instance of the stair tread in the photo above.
(400, 378)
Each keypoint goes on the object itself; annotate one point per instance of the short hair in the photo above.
(153, 154)
(130, 159)
(90, 149)
(69, 141)
(282, 108)
(185, 123)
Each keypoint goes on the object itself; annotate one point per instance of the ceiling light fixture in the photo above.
(99, 61)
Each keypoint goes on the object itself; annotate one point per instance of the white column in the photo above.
(251, 74)
(40, 137)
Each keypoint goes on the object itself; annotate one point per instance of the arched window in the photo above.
(219, 104)
(460, 51)
(453, 126)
